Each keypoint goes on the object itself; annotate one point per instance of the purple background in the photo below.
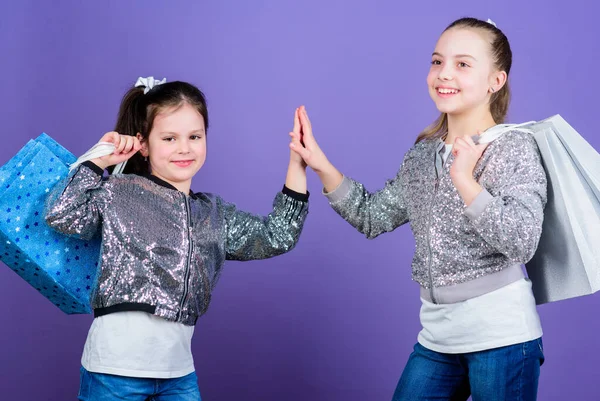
(337, 318)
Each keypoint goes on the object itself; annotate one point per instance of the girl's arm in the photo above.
(510, 212)
(370, 213)
(72, 207)
(251, 236)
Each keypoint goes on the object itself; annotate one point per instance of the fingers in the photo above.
(296, 136)
(297, 147)
(137, 145)
(459, 145)
(120, 146)
(299, 136)
(123, 143)
(466, 144)
(127, 144)
(469, 140)
(110, 137)
(305, 122)
(296, 121)
(131, 150)
(302, 152)
(477, 148)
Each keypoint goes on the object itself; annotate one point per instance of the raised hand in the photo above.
(305, 145)
(125, 147)
(295, 158)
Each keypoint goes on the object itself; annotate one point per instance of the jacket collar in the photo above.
(165, 184)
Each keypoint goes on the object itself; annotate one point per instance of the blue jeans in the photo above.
(501, 374)
(103, 387)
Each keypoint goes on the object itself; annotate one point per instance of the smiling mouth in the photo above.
(447, 91)
(182, 163)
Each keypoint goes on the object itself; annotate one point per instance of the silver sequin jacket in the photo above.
(460, 252)
(162, 250)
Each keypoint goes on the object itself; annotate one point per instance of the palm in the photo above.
(304, 143)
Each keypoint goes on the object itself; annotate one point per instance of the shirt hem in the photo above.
(138, 373)
(464, 349)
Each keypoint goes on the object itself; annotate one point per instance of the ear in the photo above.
(144, 149)
(497, 81)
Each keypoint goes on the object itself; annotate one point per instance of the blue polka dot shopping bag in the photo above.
(61, 268)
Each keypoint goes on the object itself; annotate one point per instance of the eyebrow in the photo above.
(201, 130)
(456, 56)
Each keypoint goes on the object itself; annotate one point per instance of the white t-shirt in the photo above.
(138, 344)
(506, 316)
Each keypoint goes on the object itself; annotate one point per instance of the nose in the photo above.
(184, 146)
(446, 73)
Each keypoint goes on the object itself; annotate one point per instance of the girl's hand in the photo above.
(125, 147)
(466, 154)
(295, 158)
(304, 144)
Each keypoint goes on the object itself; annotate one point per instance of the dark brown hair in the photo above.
(138, 111)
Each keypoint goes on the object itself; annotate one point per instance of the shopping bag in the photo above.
(61, 268)
(566, 263)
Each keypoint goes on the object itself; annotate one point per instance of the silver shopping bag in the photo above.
(567, 261)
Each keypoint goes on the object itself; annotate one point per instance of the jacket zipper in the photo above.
(189, 257)
(437, 182)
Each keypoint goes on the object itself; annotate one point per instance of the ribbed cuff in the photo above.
(295, 195)
(340, 192)
(95, 168)
(476, 208)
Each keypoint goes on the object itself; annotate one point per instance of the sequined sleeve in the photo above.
(509, 212)
(70, 207)
(250, 237)
(371, 214)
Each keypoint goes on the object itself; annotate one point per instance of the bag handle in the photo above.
(495, 132)
(98, 150)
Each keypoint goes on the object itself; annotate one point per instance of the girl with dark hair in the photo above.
(163, 246)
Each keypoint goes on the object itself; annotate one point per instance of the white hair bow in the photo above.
(149, 83)
(489, 21)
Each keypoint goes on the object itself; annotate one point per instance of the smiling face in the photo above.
(463, 72)
(176, 146)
